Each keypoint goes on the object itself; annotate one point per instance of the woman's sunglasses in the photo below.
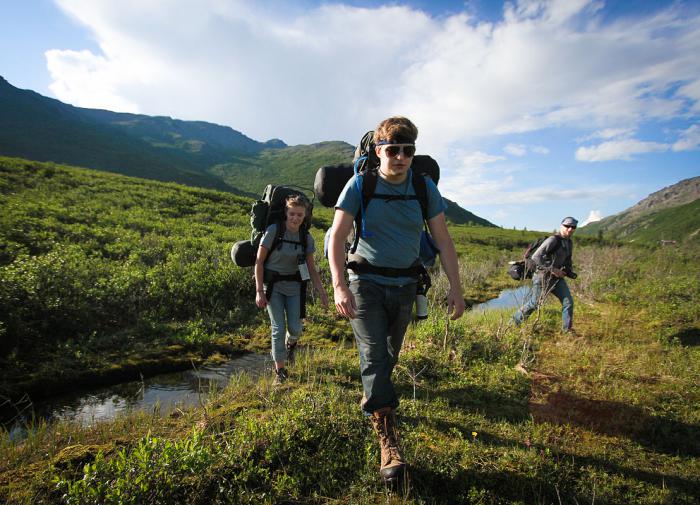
(569, 226)
(393, 150)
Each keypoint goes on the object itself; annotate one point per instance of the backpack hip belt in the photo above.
(360, 265)
(270, 277)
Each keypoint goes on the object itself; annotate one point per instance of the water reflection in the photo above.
(165, 392)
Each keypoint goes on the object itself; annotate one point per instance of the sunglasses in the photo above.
(570, 226)
(393, 150)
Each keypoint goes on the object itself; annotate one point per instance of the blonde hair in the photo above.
(297, 201)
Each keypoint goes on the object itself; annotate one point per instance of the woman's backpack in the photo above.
(269, 209)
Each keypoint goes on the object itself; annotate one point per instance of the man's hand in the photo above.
(455, 303)
(557, 272)
(344, 302)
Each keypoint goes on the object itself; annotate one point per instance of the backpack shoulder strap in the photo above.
(369, 186)
(368, 181)
(421, 189)
(279, 235)
(304, 239)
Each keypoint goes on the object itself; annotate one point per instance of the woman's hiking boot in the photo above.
(280, 376)
(393, 466)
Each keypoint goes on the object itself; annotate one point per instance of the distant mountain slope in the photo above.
(298, 165)
(207, 143)
(668, 214)
(289, 165)
(195, 153)
(36, 127)
(458, 215)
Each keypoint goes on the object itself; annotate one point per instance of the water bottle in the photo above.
(421, 302)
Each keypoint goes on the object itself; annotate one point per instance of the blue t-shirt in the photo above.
(395, 225)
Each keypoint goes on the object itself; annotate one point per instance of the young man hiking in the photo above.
(383, 280)
(553, 261)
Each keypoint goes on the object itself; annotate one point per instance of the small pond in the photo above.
(180, 389)
(508, 299)
(166, 392)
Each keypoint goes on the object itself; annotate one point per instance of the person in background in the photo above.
(554, 263)
(280, 277)
(380, 296)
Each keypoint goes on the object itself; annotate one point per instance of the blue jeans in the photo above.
(383, 314)
(558, 288)
(278, 306)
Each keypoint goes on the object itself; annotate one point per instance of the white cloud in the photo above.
(593, 216)
(520, 150)
(618, 150)
(84, 67)
(333, 71)
(609, 133)
(483, 179)
(689, 139)
(516, 149)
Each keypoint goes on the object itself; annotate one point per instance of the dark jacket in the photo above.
(554, 252)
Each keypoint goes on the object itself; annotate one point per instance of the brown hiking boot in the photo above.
(393, 466)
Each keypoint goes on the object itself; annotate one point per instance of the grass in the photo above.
(490, 413)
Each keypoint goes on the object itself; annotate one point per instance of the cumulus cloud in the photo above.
(593, 216)
(480, 178)
(306, 75)
(689, 139)
(618, 150)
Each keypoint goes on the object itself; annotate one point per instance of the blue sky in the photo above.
(534, 109)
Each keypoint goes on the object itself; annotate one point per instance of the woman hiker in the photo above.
(281, 272)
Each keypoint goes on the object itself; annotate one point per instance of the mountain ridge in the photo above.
(194, 153)
(669, 214)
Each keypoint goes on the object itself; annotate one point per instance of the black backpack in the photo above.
(525, 268)
(330, 181)
(264, 212)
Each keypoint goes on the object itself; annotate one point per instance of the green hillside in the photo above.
(89, 259)
(679, 224)
(667, 214)
(195, 153)
(104, 278)
(288, 165)
(35, 127)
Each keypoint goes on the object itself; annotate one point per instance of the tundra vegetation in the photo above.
(102, 275)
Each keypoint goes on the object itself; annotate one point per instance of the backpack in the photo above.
(525, 268)
(268, 210)
(330, 181)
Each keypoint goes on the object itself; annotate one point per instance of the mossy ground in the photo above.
(490, 413)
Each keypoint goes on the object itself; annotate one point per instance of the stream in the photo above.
(508, 299)
(172, 390)
(165, 392)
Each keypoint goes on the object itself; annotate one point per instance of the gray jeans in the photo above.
(383, 314)
(540, 288)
